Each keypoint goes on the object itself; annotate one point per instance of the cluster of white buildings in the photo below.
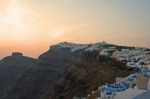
(134, 86)
(137, 86)
(139, 57)
(109, 91)
(125, 88)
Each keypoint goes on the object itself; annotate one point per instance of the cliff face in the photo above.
(85, 74)
(64, 71)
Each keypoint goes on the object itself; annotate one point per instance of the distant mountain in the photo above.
(64, 71)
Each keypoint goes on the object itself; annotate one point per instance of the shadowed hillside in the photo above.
(85, 75)
(11, 69)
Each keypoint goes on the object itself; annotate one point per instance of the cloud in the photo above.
(66, 30)
(57, 32)
(81, 26)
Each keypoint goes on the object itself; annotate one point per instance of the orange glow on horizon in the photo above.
(31, 26)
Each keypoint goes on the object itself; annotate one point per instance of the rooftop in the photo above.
(129, 93)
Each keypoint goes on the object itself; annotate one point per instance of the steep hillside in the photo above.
(87, 73)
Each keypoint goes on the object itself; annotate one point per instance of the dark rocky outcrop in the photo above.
(17, 54)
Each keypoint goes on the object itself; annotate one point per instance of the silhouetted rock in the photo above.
(17, 54)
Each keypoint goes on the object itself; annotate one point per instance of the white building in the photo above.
(129, 94)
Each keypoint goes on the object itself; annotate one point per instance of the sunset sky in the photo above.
(31, 26)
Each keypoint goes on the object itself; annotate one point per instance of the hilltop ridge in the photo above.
(67, 68)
